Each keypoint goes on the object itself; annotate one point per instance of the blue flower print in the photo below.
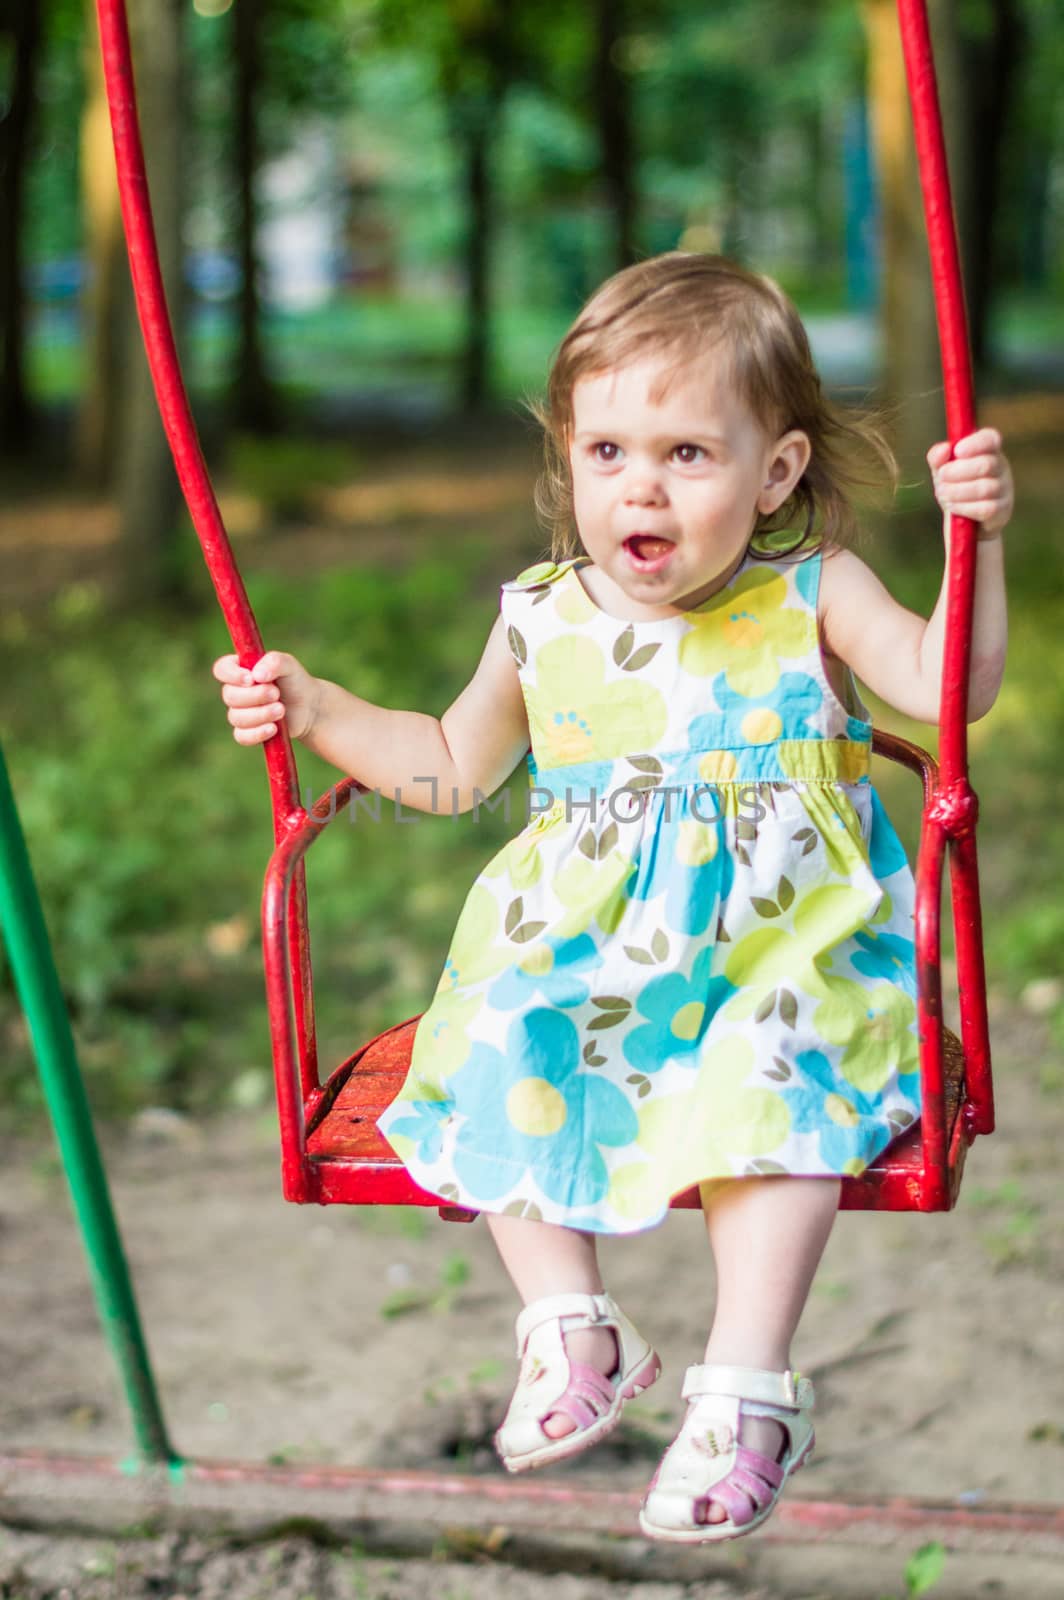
(885, 850)
(555, 1115)
(693, 891)
(807, 577)
(680, 1010)
(886, 955)
(755, 719)
(422, 1124)
(847, 1121)
(549, 968)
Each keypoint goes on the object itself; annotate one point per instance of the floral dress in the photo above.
(696, 961)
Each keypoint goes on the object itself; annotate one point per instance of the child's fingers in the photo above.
(938, 455)
(981, 442)
(274, 664)
(255, 716)
(257, 695)
(227, 669)
(964, 469)
(953, 493)
(253, 736)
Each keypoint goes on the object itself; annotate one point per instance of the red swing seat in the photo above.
(330, 1148)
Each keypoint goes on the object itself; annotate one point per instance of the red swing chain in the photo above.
(950, 808)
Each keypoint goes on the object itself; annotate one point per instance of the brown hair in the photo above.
(680, 306)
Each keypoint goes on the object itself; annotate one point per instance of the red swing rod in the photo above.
(950, 813)
(180, 428)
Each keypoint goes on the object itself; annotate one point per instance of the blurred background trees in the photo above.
(413, 196)
(377, 217)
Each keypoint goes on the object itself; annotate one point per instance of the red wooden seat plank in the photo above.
(343, 1132)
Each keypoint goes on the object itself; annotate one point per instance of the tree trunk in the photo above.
(22, 25)
(254, 402)
(910, 372)
(480, 220)
(475, 78)
(613, 111)
(106, 294)
(146, 481)
(988, 62)
(975, 74)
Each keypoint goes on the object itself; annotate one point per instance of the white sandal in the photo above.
(549, 1383)
(707, 1462)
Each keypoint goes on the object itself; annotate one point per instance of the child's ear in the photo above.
(789, 459)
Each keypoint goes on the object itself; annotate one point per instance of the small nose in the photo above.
(643, 484)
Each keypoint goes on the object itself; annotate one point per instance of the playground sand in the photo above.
(384, 1339)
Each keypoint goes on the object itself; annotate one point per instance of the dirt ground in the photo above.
(280, 1334)
(384, 1339)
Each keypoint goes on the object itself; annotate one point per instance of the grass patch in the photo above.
(149, 829)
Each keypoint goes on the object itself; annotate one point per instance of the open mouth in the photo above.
(648, 553)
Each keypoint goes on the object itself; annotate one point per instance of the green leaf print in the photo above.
(447, 1191)
(637, 785)
(742, 854)
(587, 846)
(763, 907)
(522, 1208)
(609, 839)
(634, 953)
(788, 1008)
(745, 829)
(514, 912)
(609, 1020)
(641, 657)
(807, 837)
(659, 944)
(646, 764)
(764, 1168)
(723, 936)
(766, 1008)
(642, 1083)
(785, 892)
(590, 1056)
(623, 646)
(518, 648)
(779, 1070)
(527, 930)
(900, 1120)
(611, 1002)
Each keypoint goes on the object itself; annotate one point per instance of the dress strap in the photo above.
(539, 576)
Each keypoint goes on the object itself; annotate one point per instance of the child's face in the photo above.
(667, 491)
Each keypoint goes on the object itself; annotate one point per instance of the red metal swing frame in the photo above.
(330, 1149)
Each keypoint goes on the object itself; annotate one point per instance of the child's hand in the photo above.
(276, 686)
(976, 483)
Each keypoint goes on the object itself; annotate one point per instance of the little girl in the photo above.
(694, 966)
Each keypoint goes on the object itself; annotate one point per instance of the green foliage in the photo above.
(454, 1274)
(923, 1570)
(149, 831)
(286, 473)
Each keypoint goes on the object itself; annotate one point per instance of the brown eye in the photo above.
(606, 452)
(688, 454)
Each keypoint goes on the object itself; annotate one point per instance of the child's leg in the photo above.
(543, 1259)
(767, 1237)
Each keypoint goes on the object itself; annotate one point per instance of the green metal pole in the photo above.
(26, 937)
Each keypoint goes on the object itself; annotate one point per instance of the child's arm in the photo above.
(429, 763)
(899, 654)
